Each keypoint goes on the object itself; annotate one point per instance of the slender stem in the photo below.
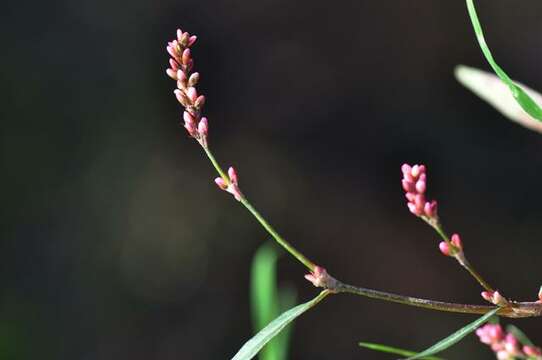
(215, 163)
(285, 244)
(282, 242)
(460, 256)
(514, 310)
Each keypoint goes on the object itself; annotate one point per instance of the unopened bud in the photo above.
(456, 241)
(173, 64)
(186, 57)
(420, 186)
(430, 209)
(203, 127)
(200, 101)
(191, 40)
(192, 94)
(444, 248)
(221, 183)
(171, 73)
(233, 175)
(193, 80)
(540, 294)
(184, 39)
(171, 51)
(179, 34)
(181, 97)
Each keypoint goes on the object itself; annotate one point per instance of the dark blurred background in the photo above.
(115, 242)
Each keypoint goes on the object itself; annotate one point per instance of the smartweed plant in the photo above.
(514, 100)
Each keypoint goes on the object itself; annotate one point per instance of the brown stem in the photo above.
(512, 310)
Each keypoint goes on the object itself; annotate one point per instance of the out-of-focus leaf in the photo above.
(287, 299)
(491, 89)
(520, 335)
(393, 350)
(455, 337)
(523, 99)
(254, 345)
(267, 302)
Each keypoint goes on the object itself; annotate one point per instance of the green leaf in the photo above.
(520, 335)
(267, 302)
(522, 98)
(393, 350)
(254, 345)
(491, 89)
(455, 337)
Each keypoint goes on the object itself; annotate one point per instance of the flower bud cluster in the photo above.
(414, 184)
(231, 184)
(453, 247)
(505, 345)
(181, 65)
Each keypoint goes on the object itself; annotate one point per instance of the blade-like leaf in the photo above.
(520, 335)
(254, 345)
(287, 299)
(455, 337)
(522, 98)
(491, 89)
(267, 302)
(393, 350)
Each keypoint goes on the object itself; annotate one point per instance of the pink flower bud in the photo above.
(415, 172)
(184, 39)
(430, 209)
(532, 351)
(233, 175)
(181, 97)
(179, 34)
(221, 183)
(193, 80)
(192, 40)
(413, 209)
(200, 101)
(408, 186)
(173, 64)
(203, 127)
(171, 51)
(444, 248)
(188, 118)
(171, 73)
(511, 344)
(186, 57)
(420, 186)
(192, 94)
(456, 241)
(540, 294)
(406, 169)
(487, 295)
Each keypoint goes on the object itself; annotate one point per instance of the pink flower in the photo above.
(230, 185)
(414, 184)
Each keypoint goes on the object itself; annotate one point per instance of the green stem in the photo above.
(215, 163)
(282, 242)
(285, 244)
(460, 256)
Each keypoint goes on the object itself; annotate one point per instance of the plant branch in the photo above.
(243, 200)
(460, 255)
(513, 310)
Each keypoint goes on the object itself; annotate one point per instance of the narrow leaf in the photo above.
(522, 98)
(267, 301)
(491, 89)
(455, 337)
(254, 345)
(393, 350)
(263, 295)
(520, 335)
